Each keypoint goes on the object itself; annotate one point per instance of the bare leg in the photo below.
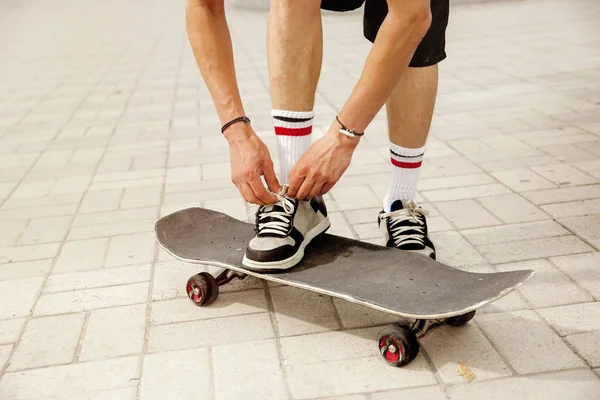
(295, 51)
(410, 107)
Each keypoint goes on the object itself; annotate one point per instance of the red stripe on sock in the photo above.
(407, 165)
(293, 131)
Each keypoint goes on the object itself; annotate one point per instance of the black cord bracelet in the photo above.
(243, 119)
(346, 131)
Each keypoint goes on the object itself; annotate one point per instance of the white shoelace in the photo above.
(283, 218)
(412, 213)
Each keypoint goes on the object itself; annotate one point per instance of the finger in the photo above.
(248, 194)
(260, 192)
(305, 189)
(271, 179)
(296, 181)
(315, 191)
(327, 187)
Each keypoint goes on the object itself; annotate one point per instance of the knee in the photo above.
(416, 13)
(215, 7)
(297, 6)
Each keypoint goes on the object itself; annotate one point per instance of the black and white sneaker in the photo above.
(405, 228)
(283, 230)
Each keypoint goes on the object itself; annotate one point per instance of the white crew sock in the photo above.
(293, 130)
(406, 166)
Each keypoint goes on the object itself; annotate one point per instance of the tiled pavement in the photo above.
(105, 124)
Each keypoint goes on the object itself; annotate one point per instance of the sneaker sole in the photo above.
(274, 266)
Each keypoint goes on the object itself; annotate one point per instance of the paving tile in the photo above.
(522, 180)
(367, 215)
(355, 197)
(116, 394)
(227, 304)
(368, 231)
(573, 209)
(91, 299)
(357, 375)
(82, 255)
(535, 248)
(97, 278)
(11, 231)
(514, 233)
(454, 250)
(45, 230)
(138, 197)
(583, 269)
(18, 297)
(564, 175)
(586, 344)
(212, 332)
(470, 192)
(183, 174)
(235, 208)
(32, 189)
(69, 381)
(112, 217)
(77, 184)
(453, 166)
(455, 182)
(114, 332)
(168, 375)
(107, 230)
(547, 281)
(5, 351)
(538, 348)
(27, 269)
(421, 393)
(447, 346)
(37, 212)
(316, 314)
(512, 208)
(258, 377)
(105, 200)
(48, 341)
(467, 214)
(551, 386)
(573, 318)
(339, 226)
(47, 201)
(316, 348)
(10, 330)
(563, 195)
(131, 249)
(356, 316)
(586, 227)
(28, 253)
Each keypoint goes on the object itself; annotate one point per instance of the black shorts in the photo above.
(432, 48)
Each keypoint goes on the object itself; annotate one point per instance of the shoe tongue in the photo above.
(397, 205)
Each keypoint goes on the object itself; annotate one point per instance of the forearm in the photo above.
(211, 43)
(398, 37)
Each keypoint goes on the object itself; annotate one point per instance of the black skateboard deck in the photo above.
(393, 281)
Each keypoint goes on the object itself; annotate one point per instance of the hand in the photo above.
(319, 169)
(250, 159)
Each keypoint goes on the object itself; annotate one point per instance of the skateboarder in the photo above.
(400, 71)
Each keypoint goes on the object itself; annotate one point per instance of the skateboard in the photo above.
(422, 292)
